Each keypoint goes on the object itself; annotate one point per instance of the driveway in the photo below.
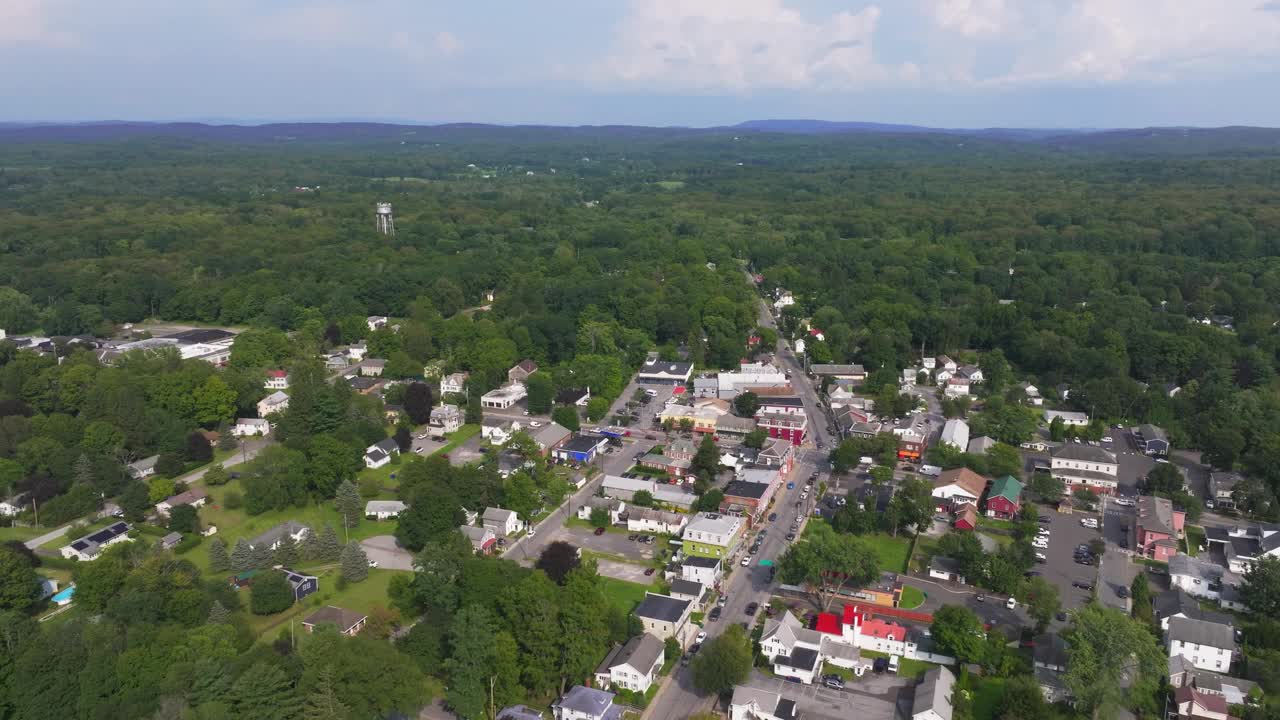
(384, 550)
(426, 446)
(629, 572)
(468, 452)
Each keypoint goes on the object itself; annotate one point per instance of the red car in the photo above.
(599, 531)
(648, 571)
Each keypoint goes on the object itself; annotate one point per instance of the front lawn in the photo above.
(1195, 539)
(362, 596)
(461, 435)
(893, 552)
(21, 534)
(912, 597)
(986, 696)
(906, 668)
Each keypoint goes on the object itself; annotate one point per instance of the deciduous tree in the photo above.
(723, 662)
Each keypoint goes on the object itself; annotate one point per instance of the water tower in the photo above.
(386, 224)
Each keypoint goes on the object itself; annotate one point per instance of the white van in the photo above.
(893, 664)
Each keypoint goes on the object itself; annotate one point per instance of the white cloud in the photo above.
(973, 17)
(341, 26)
(741, 45)
(27, 22)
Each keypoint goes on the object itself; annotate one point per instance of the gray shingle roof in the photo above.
(1202, 632)
(661, 607)
(641, 652)
(934, 691)
(1083, 453)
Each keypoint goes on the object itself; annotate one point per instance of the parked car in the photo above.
(702, 637)
(1044, 519)
(980, 597)
(791, 486)
(773, 516)
(648, 571)
(632, 537)
(752, 608)
(599, 531)
(791, 536)
(714, 614)
(373, 563)
(1122, 592)
(746, 561)
(722, 600)
(833, 681)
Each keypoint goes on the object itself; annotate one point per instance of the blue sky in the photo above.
(953, 63)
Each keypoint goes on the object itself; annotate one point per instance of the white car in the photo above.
(373, 563)
(1044, 533)
(702, 637)
(1041, 545)
(535, 424)
(1107, 439)
(532, 532)
(1040, 556)
(746, 560)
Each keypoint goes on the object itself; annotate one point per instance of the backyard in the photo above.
(362, 596)
(624, 595)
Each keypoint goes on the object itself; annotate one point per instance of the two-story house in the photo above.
(1084, 466)
(584, 703)
(665, 616)
(1222, 487)
(1151, 440)
(613, 506)
(379, 454)
(521, 371)
(1245, 545)
(633, 666)
(444, 419)
(276, 380)
(750, 703)
(1004, 499)
(453, 384)
(1201, 579)
(1052, 654)
(1159, 528)
(956, 488)
(502, 522)
(934, 695)
(955, 432)
(276, 402)
(749, 499)
(713, 535)
(1208, 645)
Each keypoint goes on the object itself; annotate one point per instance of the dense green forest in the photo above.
(1089, 266)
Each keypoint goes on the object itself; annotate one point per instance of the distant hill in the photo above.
(829, 127)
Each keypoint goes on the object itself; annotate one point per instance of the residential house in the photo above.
(13, 505)
(580, 448)
(195, 497)
(777, 454)
(753, 704)
(357, 351)
(384, 509)
(786, 425)
(713, 535)
(363, 385)
(336, 361)
(503, 398)
(1208, 645)
(574, 397)
(502, 522)
(276, 402)
(1195, 704)
(348, 622)
(662, 372)
(144, 468)
(170, 541)
(444, 419)
(90, 547)
(1070, 419)
(1244, 546)
(953, 489)
(674, 467)
(1177, 602)
(276, 380)
(1078, 465)
(1152, 440)
(749, 499)
(521, 371)
(794, 650)
(980, 445)
(379, 453)
(1004, 500)
(1159, 528)
(272, 537)
(633, 666)
(1052, 654)
(376, 322)
(1221, 489)
(702, 570)
(482, 538)
(652, 520)
(250, 427)
(1236, 691)
(956, 434)
(302, 585)
(584, 703)
(1033, 394)
(498, 430)
(972, 373)
(453, 384)
(942, 362)
(956, 387)
(682, 589)
(929, 363)
(613, 506)
(1201, 579)
(933, 696)
(550, 436)
(913, 437)
(945, 568)
(664, 616)
(626, 488)
(373, 367)
(909, 375)
(734, 425)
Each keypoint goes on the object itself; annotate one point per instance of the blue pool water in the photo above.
(64, 595)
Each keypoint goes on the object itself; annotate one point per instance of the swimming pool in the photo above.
(64, 596)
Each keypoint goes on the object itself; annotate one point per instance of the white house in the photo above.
(1032, 393)
(1208, 645)
(13, 505)
(504, 397)
(90, 547)
(665, 616)
(250, 427)
(753, 704)
(633, 666)
(933, 696)
(498, 430)
(929, 363)
(276, 380)
(1200, 579)
(957, 487)
(383, 509)
(1070, 419)
(445, 419)
(945, 568)
(956, 387)
(956, 434)
(613, 506)
(376, 322)
(357, 351)
(502, 522)
(195, 497)
(584, 703)
(1080, 465)
(454, 383)
(272, 537)
(144, 468)
(942, 362)
(972, 373)
(379, 454)
(276, 402)
(650, 520)
(703, 570)
(794, 649)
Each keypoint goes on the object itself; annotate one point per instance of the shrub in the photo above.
(233, 500)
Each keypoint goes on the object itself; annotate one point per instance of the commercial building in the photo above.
(713, 535)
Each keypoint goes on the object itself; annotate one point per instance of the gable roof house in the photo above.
(1080, 465)
(1208, 645)
(1221, 489)
(482, 539)
(955, 432)
(302, 585)
(980, 445)
(633, 666)
(444, 419)
(750, 703)
(379, 454)
(577, 397)
(90, 546)
(1196, 704)
(195, 497)
(1052, 654)
(383, 509)
(958, 487)
(550, 436)
(613, 506)
(933, 696)
(276, 380)
(249, 427)
(521, 371)
(1004, 499)
(664, 616)
(1199, 578)
(271, 537)
(1159, 528)
(584, 703)
(453, 383)
(276, 402)
(501, 522)
(144, 468)
(1177, 602)
(643, 519)
(1152, 440)
(348, 622)
(1244, 545)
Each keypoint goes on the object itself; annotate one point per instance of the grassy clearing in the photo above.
(363, 597)
(624, 595)
(464, 433)
(22, 534)
(670, 184)
(986, 696)
(893, 552)
(1195, 538)
(912, 597)
(906, 668)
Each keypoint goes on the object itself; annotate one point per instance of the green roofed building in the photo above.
(1005, 498)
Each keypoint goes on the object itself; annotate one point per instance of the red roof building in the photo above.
(966, 519)
(828, 623)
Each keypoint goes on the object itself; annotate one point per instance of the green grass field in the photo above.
(1195, 538)
(893, 552)
(20, 533)
(670, 184)
(362, 596)
(623, 594)
(912, 597)
(906, 668)
(986, 696)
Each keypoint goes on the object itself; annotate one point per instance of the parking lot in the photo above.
(610, 543)
(872, 697)
(1060, 568)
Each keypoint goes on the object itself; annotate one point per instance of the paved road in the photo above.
(249, 450)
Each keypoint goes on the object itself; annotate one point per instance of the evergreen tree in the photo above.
(263, 692)
(241, 556)
(219, 614)
(84, 473)
(329, 547)
(260, 556)
(287, 553)
(219, 560)
(210, 682)
(347, 501)
(355, 564)
(323, 702)
(310, 549)
(417, 403)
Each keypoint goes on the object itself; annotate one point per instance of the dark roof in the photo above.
(661, 607)
(360, 382)
(200, 335)
(801, 658)
(570, 396)
(1052, 650)
(111, 531)
(686, 587)
(669, 368)
(387, 445)
(519, 712)
(1202, 632)
(699, 561)
(1178, 602)
(581, 443)
(744, 489)
(781, 401)
(296, 578)
(1150, 432)
(786, 709)
(528, 366)
(944, 564)
(342, 618)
